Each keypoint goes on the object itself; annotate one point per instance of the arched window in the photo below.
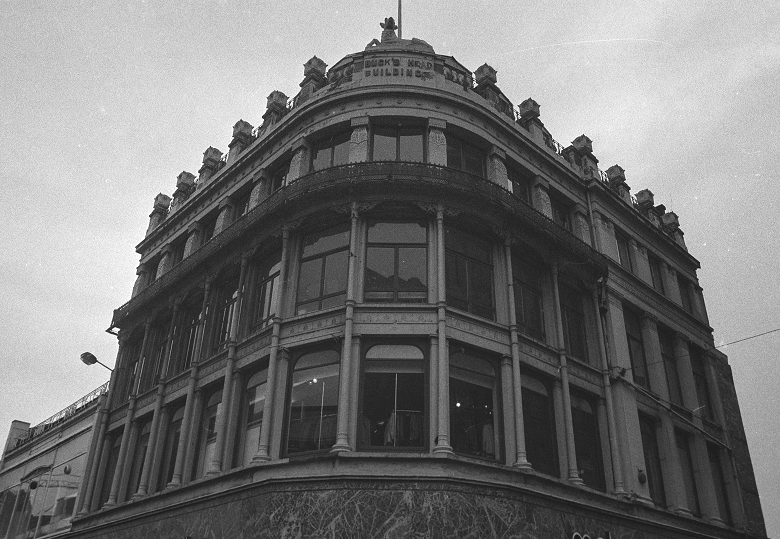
(473, 406)
(313, 402)
(139, 455)
(248, 434)
(394, 397)
(539, 421)
(207, 437)
(322, 281)
(171, 448)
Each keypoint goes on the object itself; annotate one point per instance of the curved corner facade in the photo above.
(399, 306)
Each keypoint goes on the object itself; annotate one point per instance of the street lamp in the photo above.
(89, 358)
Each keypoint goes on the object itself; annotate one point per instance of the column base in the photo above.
(138, 496)
(341, 448)
(259, 459)
(683, 511)
(443, 450)
(522, 465)
(576, 480)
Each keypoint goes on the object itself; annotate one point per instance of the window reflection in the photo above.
(252, 409)
(331, 151)
(393, 398)
(322, 281)
(472, 405)
(207, 439)
(469, 273)
(396, 263)
(586, 442)
(539, 422)
(313, 402)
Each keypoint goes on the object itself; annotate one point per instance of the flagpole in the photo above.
(399, 19)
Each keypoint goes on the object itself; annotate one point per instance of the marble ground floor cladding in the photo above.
(357, 509)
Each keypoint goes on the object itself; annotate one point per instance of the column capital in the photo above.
(436, 123)
(359, 121)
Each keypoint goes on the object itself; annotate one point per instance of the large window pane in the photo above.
(248, 436)
(171, 448)
(395, 143)
(686, 464)
(472, 406)
(207, 439)
(384, 144)
(655, 481)
(410, 145)
(322, 281)
(539, 421)
(335, 279)
(586, 442)
(636, 349)
(396, 268)
(469, 273)
(574, 335)
(313, 402)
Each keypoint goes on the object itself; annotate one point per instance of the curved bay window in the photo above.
(248, 434)
(266, 290)
(226, 310)
(473, 406)
(331, 151)
(185, 335)
(586, 442)
(573, 318)
(170, 449)
(313, 402)
(396, 263)
(398, 143)
(539, 422)
(394, 396)
(469, 273)
(322, 281)
(465, 156)
(528, 297)
(207, 435)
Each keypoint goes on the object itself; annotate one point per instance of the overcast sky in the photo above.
(103, 104)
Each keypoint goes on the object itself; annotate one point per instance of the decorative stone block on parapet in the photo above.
(313, 78)
(583, 145)
(275, 107)
(645, 199)
(161, 205)
(185, 185)
(193, 239)
(358, 142)
(212, 158)
(485, 75)
(540, 197)
(299, 164)
(496, 171)
(529, 110)
(261, 183)
(617, 181)
(437, 142)
(582, 148)
(671, 225)
(242, 137)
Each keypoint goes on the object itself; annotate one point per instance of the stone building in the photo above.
(399, 307)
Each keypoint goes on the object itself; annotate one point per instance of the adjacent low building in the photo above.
(399, 307)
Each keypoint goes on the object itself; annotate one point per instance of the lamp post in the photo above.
(89, 358)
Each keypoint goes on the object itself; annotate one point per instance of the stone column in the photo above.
(345, 367)
(358, 142)
(189, 404)
(560, 429)
(443, 437)
(93, 458)
(262, 454)
(261, 187)
(127, 464)
(574, 474)
(434, 393)
(614, 447)
(242, 138)
(519, 458)
(300, 163)
(225, 216)
(227, 385)
(655, 364)
(119, 472)
(162, 430)
(496, 171)
(640, 261)
(166, 261)
(685, 372)
(141, 280)
(437, 142)
(100, 476)
(211, 163)
(508, 408)
(188, 453)
(194, 233)
(233, 414)
(580, 222)
(671, 469)
(540, 197)
(624, 396)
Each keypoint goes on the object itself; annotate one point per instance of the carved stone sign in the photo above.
(398, 67)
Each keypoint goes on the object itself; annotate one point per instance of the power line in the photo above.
(747, 338)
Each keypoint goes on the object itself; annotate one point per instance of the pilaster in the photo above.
(580, 222)
(540, 196)
(261, 187)
(437, 142)
(496, 171)
(358, 142)
(194, 233)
